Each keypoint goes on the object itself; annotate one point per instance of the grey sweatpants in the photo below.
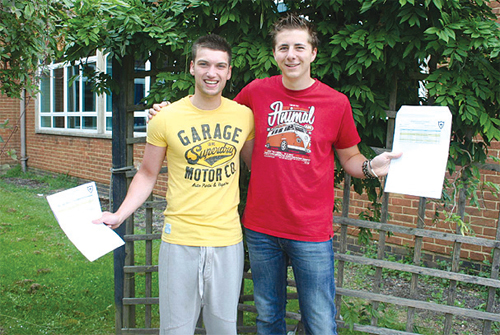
(199, 278)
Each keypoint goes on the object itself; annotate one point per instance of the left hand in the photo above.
(155, 109)
(380, 164)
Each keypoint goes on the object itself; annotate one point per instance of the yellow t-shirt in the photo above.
(203, 149)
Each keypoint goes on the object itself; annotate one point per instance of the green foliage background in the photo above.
(451, 46)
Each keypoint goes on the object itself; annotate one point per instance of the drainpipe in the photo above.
(22, 121)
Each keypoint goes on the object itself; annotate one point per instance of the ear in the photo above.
(314, 54)
(191, 68)
(229, 72)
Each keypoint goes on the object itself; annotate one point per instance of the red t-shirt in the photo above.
(291, 191)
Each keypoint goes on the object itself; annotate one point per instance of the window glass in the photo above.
(45, 122)
(89, 122)
(58, 80)
(140, 123)
(139, 90)
(109, 70)
(74, 122)
(73, 87)
(58, 121)
(109, 123)
(45, 96)
(89, 98)
(66, 100)
(109, 103)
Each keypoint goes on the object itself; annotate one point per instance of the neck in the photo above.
(296, 84)
(206, 102)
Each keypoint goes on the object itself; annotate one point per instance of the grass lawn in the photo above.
(46, 285)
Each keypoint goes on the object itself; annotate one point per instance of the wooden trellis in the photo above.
(129, 276)
(416, 270)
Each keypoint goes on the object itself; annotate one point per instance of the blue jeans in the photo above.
(313, 268)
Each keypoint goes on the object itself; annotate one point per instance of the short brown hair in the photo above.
(213, 42)
(293, 21)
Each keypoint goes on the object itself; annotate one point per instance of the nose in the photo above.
(290, 54)
(211, 72)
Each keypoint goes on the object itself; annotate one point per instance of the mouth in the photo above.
(291, 66)
(211, 82)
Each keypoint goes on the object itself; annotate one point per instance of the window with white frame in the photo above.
(141, 85)
(68, 105)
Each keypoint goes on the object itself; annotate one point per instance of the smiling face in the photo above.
(294, 54)
(211, 71)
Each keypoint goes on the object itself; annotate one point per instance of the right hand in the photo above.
(111, 220)
(156, 108)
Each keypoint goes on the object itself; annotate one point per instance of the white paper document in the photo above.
(75, 209)
(422, 134)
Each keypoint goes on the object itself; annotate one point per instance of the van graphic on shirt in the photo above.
(289, 137)
(289, 132)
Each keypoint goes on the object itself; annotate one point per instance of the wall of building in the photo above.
(403, 211)
(496, 8)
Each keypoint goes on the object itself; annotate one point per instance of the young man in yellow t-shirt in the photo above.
(201, 254)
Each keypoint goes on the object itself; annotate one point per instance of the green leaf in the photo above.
(29, 9)
(438, 4)
(431, 30)
(224, 19)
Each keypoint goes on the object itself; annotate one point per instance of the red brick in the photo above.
(408, 219)
(435, 248)
(489, 232)
(397, 200)
(477, 256)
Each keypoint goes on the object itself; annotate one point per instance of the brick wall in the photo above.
(403, 211)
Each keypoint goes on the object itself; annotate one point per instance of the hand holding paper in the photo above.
(381, 163)
(109, 219)
(422, 133)
(75, 209)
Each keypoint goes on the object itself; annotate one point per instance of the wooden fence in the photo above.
(136, 279)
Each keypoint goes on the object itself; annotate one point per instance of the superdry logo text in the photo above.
(210, 153)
